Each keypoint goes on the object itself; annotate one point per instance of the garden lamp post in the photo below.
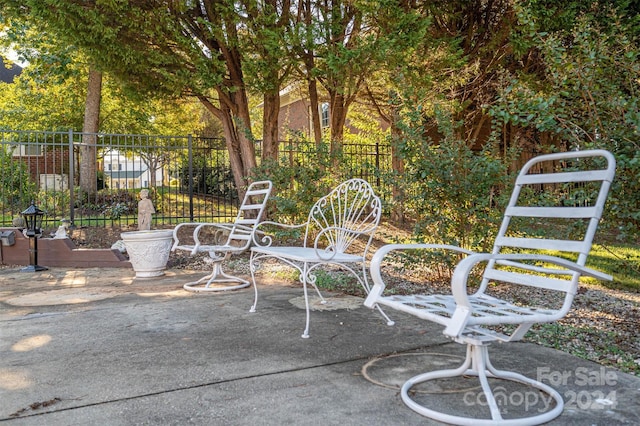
(33, 220)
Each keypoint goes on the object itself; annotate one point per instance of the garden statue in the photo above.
(62, 230)
(145, 210)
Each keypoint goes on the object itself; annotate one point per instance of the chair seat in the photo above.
(486, 310)
(306, 254)
(212, 248)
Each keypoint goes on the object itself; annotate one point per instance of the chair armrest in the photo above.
(176, 239)
(198, 227)
(378, 257)
(266, 239)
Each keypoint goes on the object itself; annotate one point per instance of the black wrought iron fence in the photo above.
(189, 178)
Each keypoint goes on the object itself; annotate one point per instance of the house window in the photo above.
(32, 149)
(29, 150)
(324, 115)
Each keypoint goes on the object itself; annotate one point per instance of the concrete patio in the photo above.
(96, 346)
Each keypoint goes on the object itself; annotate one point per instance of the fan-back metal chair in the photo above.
(338, 231)
(222, 240)
(571, 189)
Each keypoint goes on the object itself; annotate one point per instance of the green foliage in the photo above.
(338, 281)
(55, 203)
(109, 203)
(115, 211)
(18, 190)
(588, 98)
(50, 93)
(454, 193)
(592, 343)
(300, 177)
(42, 101)
(46, 105)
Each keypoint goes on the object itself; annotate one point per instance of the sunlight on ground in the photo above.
(74, 279)
(14, 379)
(167, 294)
(30, 343)
(57, 297)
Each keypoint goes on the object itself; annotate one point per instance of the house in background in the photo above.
(122, 172)
(48, 167)
(294, 118)
(295, 114)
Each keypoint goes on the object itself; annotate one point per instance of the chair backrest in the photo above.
(250, 213)
(555, 206)
(348, 213)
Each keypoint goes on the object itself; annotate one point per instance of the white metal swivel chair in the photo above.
(221, 240)
(350, 213)
(572, 188)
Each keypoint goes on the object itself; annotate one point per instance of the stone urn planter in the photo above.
(148, 251)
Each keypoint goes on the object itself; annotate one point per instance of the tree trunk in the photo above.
(397, 165)
(228, 129)
(338, 118)
(88, 149)
(239, 146)
(270, 125)
(244, 137)
(315, 110)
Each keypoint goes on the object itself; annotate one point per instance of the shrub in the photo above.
(17, 188)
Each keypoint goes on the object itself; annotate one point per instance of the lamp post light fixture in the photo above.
(33, 220)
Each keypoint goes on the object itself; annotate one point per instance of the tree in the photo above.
(582, 94)
(268, 61)
(52, 55)
(183, 49)
(90, 128)
(168, 48)
(338, 49)
(49, 93)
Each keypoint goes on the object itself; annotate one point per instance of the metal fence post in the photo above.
(70, 186)
(190, 151)
(378, 164)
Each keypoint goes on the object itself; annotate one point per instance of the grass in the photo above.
(590, 343)
(622, 261)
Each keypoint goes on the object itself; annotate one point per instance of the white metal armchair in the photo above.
(221, 240)
(570, 189)
(350, 213)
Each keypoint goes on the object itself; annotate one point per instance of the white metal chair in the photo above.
(572, 189)
(350, 213)
(221, 240)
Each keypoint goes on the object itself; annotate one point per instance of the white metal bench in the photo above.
(338, 231)
(221, 240)
(572, 189)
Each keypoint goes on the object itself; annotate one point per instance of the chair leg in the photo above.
(390, 322)
(323, 301)
(477, 364)
(215, 277)
(367, 288)
(305, 333)
(252, 268)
